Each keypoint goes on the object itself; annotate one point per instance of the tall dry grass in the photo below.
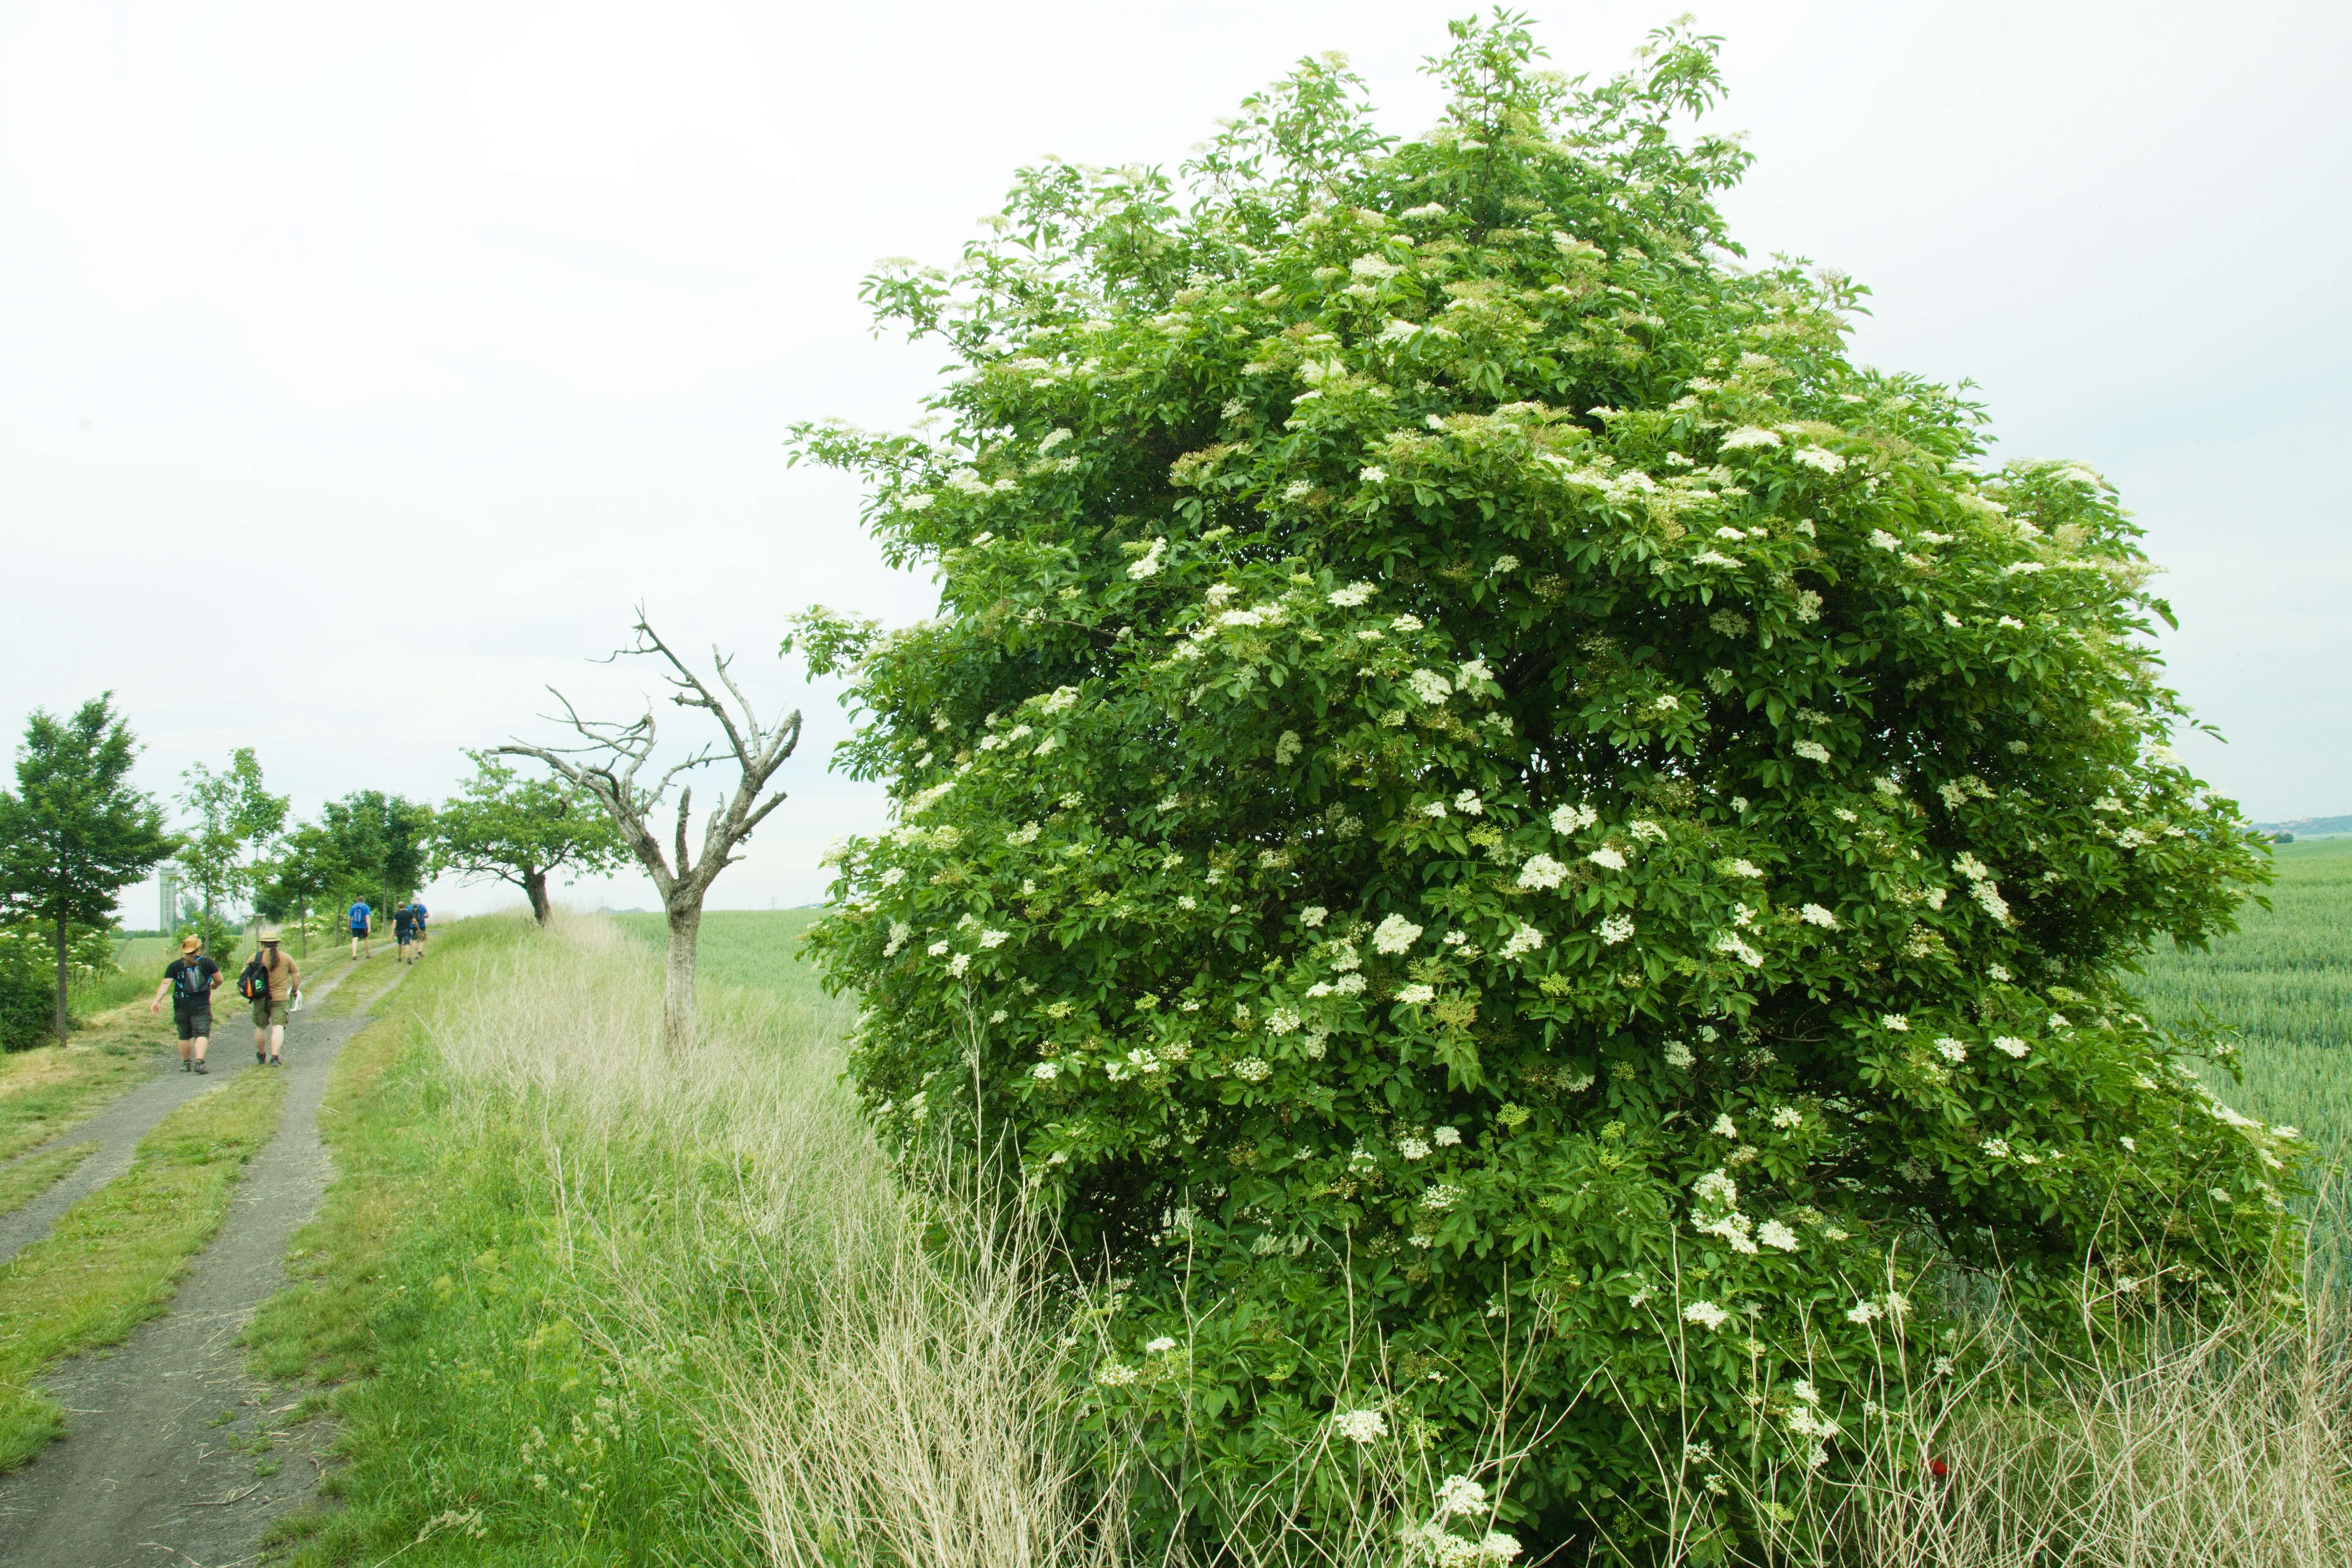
(880, 1374)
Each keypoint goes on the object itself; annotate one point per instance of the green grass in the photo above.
(758, 950)
(28, 1178)
(2281, 987)
(114, 1259)
(46, 1089)
(437, 1294)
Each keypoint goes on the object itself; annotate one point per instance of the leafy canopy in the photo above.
(1508, 830)
(519, 830)
(74, 833)
(236, 818)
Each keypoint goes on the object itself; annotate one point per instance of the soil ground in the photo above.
(174, 1454)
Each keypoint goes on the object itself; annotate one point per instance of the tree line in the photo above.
(75, 832)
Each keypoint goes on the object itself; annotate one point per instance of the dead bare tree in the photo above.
(608, 764)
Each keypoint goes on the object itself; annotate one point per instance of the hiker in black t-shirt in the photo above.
(403, 931)
(189, 979)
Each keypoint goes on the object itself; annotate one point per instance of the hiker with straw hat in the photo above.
(191, 980)
(273, 982)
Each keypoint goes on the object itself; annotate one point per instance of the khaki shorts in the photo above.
(267, 1011)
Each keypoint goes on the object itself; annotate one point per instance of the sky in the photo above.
(363, 368)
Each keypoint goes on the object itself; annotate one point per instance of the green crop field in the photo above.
(2282, 987)
(758, 950)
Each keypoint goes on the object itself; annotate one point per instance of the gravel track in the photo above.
(173, 1453)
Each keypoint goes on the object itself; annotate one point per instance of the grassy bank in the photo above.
(24, 1180)
(113, 1258)
(588, 1304)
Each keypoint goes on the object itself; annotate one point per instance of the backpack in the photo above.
(253, 983)
(190, 984)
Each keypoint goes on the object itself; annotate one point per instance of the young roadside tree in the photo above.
(1534, 845)
(383, 843)
(74, 833)
(306, 867)
(236, 818)
(609, 767)
(500, 824)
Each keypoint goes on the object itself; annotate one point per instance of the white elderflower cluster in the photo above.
(1442, 1196)
(1281, 1021)
(1777, 1236)
(1812, 750)
(2012, 1046)
(1616, 929)
(1895, 1022)
(1950, 1049)
(1541, 872)
(1430, 685)
(1819, 458)
(1446, 1137)
(899, 932)
(1286, 748)
(1394, 934)
(1524, 940)
(1313, 915)
(1573, 818)
(1468, 804)
(1607, 860)
(1731, 945)
(1814, 914)
(1252, 1069)
(1705, 1314)
(1363, 1427)
(1354, 594)
(1416, 993)
(1413, 1148)
(1746, 436)
(1147, 564)
(1678, 1054)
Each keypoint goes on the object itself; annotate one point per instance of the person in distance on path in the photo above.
(417, 909)
(191, 980)
(274, 999)
(403, 931)
(362, 927)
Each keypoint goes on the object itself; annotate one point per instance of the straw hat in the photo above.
(270, 934)
(189, 944)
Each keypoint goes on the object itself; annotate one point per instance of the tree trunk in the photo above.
(534, 886)
(63, 1022)
(677, 982)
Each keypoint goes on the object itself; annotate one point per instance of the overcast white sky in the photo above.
(361, 367)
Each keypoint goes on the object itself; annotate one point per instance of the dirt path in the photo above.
(117, 1129)
(173, 1455)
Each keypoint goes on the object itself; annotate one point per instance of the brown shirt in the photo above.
(282, 979)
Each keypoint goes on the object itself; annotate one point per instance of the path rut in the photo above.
(173, 1455)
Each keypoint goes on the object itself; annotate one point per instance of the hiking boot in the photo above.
(201, 1067)
(259, 1059)
(185, 1065)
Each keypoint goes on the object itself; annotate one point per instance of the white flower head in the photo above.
(1705, 1314)
(2012, 1046)
(1678, 1054)
(1541, 872)
(1363, 1427)
(1394, 934)
(1446, 1137)
(1313, 915)
(1616, 929)
(1416, 992)
(1607, 860)
(1775, 1235)
(1573, 818)
(1354, 594)
(1814, 914)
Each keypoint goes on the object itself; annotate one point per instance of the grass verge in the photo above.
(46, 1089)
(28, 1178)
(114, 1260)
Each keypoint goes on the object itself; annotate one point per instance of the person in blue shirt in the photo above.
(416, 913)
(362, 927)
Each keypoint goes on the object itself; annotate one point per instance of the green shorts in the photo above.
(267, 1011)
